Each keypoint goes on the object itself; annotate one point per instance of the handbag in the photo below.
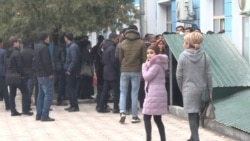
(210, 114)
(86, 70)
(13, 79)
(207, 110)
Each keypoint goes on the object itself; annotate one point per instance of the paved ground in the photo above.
(88, 125)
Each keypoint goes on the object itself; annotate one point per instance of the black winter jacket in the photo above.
(13, 61)
(27, 55)
(111, 66)
(42, 60)
(59, 56)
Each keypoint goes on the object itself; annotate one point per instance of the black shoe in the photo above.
(61, 104)
(103, 110)
(116, 111)
(47, 119)
(67, 109)
(74, 109)
(28, 113)
(15, 113)
(38, 117)
(7, 108)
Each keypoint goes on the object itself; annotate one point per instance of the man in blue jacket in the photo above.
(72, 68)
(3, 87)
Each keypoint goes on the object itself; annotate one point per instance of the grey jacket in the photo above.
(190, 78)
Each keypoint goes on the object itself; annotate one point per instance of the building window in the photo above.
(246, 38)
(169, 21)
(218, 16)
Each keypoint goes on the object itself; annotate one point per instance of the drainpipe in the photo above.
(142, 13)
(170, 77)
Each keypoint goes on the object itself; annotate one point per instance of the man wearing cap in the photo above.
(14, 64)
(72, 68)
(44, 72)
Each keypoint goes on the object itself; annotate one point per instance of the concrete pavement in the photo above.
(88, 125)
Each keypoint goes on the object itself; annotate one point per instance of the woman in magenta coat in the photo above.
(155, 103)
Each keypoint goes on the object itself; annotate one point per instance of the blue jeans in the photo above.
(30, 85)
(135, 79)
(45, 96)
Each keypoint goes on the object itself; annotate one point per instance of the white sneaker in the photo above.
(136, 120)
(123, 117)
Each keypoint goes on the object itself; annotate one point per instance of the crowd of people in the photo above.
(130, 69)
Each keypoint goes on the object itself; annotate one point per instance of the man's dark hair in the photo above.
(221, 32)
(210, 32)
(27, 42)
(69, 35)
(61, 38)
(180, 26)
(12, 40)
(189, 28)
(43, 35)
(100, 38)
(112, 36)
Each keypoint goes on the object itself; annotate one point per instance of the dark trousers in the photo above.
(104, 96)
(141, 95)
(99, 93)
(61, 86)
(71, 89)
(30, 86)
(4, 92)
(25, 97)
(148, 127)
(194, 119)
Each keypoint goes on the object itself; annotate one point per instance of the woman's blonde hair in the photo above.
(193, 39)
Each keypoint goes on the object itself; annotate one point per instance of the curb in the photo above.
(213, 125)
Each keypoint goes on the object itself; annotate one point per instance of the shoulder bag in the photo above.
(86, 70)
(207, 111)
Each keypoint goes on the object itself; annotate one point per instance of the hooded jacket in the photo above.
(132, 52)
(153, 72)
(110, 70)
(191, 78)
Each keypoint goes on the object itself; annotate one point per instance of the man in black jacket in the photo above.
(72, 68)
(15, 65)
(44, 72)
(27, 58)
(110, 73)
(59, 60)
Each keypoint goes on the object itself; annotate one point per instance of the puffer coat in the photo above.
(153, 72)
